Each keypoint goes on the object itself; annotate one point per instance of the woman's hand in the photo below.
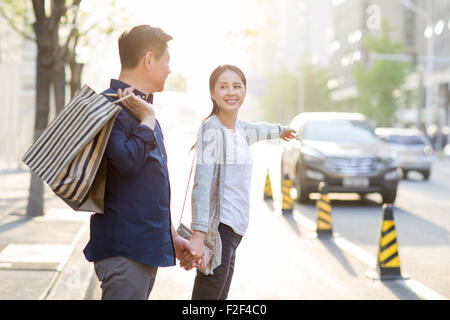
(138, 107)
(184, 252)
(196, 242)
(288, 134)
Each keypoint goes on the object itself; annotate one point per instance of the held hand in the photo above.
(184, 253)
(137, 106)
(197, 245)
(288, 134)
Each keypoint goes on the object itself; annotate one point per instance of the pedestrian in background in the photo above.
(221, 191)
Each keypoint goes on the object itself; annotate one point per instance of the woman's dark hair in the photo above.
(137, 41)
(213, 80)
(212, 83)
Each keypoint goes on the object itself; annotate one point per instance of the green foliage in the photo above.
(19, 16)
(281, 99)
(379, 83)
(317, 94)
(177, 83)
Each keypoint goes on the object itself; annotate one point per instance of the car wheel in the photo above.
(405, 174)
(389, 196)
(302, 195)
(362, 196)
(425, 174)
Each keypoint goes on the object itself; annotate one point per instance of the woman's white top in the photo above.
(238, 172)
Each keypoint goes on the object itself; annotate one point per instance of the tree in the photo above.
(177, 83)
(280, 101)
(56, 50)
(52, 54)
(317, 92)
(92, 25)
(380, 82)
(51, 59)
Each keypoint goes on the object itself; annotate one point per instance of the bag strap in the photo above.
(116, 95)
(187, 188)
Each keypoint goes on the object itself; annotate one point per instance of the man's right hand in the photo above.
(138, 107)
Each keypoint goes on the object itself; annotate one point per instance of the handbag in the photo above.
(186, 233)
(68, 155)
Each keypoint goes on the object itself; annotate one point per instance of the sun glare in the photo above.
(206, 33)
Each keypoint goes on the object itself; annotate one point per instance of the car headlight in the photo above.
(311, 155)
(428, 150)
(314, 175)
(390, 159)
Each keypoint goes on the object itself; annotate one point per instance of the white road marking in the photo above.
(363, 256)
(355, 251)
(420, 289)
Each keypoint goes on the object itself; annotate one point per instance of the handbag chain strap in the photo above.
(187, 188)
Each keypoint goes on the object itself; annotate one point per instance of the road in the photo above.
(279, 258)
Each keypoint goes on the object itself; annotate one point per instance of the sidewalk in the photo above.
(41, 258)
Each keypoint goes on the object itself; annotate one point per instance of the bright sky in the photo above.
(200, 29)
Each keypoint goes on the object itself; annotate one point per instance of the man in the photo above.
(135, 236)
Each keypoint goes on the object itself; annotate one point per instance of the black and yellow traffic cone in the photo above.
(288, 203)
(324, 221)
(268, 188)
(388, 260)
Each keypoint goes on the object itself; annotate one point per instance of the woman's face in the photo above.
(229, 92)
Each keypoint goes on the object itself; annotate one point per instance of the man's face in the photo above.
(159, 70)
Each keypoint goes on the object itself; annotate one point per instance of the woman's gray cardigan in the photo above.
(207, 192)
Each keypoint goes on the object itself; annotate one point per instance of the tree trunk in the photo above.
(59, 86)
(51, 59)
(75, 77)
(75, 67)
(43, 81)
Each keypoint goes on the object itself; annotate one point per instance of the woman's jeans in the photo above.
(217, 285)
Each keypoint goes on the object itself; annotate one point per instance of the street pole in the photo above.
(429, 78)
(421, 98)
(301, 90)
(426, 17)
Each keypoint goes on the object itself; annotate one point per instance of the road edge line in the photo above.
(364, 256)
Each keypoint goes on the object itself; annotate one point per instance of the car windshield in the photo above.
(403, 139)
(340, 131)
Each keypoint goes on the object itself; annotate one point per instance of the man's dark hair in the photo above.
(137, 41)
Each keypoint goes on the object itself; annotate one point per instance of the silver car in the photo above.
(412, 149)
(447, 151)
(341, 149)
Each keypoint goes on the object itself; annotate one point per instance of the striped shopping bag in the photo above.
(68, 155)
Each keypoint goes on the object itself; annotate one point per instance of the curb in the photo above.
(76, 279)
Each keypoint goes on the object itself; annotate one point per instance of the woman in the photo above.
(221, 191)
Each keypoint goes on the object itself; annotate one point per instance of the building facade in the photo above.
(17, 78)
(408, 26)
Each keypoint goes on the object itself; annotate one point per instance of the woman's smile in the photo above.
(231, 101)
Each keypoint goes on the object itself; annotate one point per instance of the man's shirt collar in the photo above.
(117, 84)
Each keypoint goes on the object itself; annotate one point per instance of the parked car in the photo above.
(341, 149)
(411, 147)
(447, 151)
